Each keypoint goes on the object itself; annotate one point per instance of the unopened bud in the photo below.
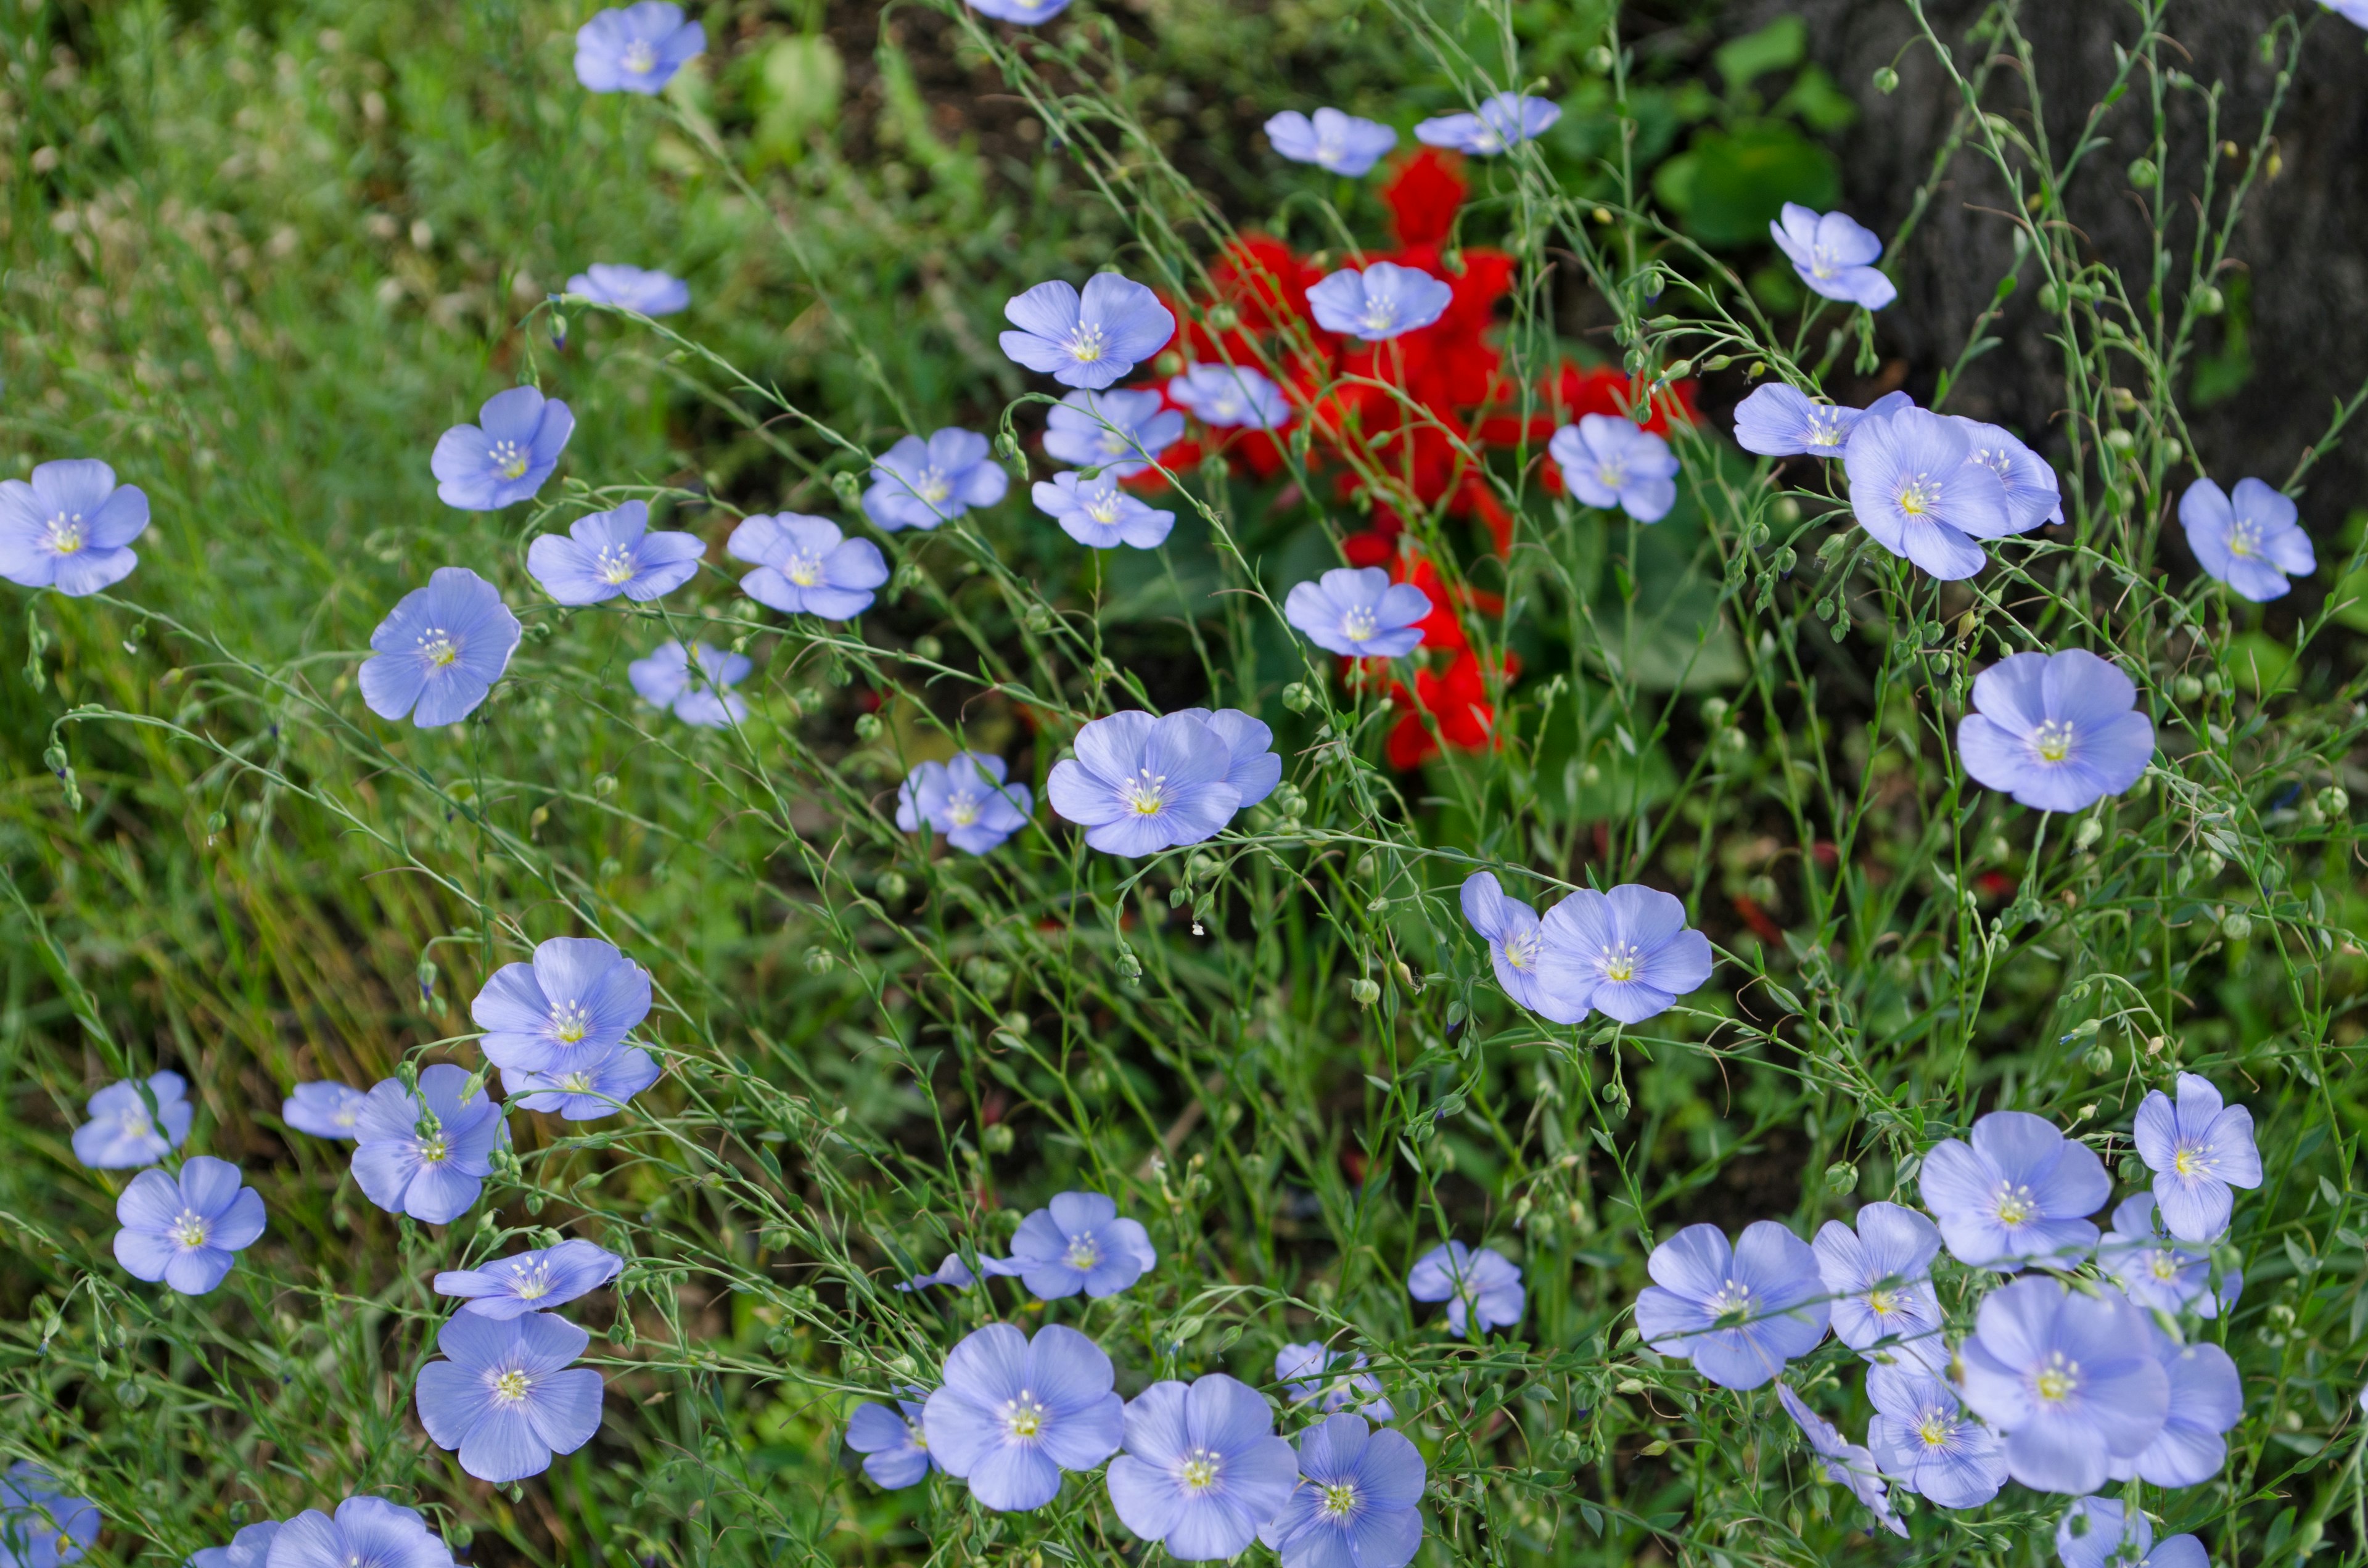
(1365, 993)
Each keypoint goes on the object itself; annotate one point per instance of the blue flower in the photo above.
(1229, 397)
(2058, 732)
(507, 1399)
(250, 1548)
(2070, 1380)
(1915, 489)
(1140, 784)
(1607, 461)
(2020, 1192)
(1252, 768)
(2252, 543)
(1203, 1468)
(2094, 1532)
(2155, 1272)
(325, 1110)
(70, 527)
(506, 456)
(918, 484)
(2207, 1397)
(2033, 494)
(2197, 1149)
(1628, 953)
(1097, 513)
(1779, 421)
(805, 566)
(1737, 1314)
(966, 801)
(1385, 300)
(608, 553)
(531, 1281)
(1014, 1413)
(593, 1088)
(953, 1271)
(1077, 1243)
(1337, 1378)
(1119, 432)
(2355, 11)
(665, 679)
(1481, 1286)
(1879, 1276)
(371, 1531)
(1025, 13)
(1358, 1501)
(1088, 340)
(427, 1155)
(637, 49)
(895, 1454)
(121, 1134)
(1923, 1438)
(1506, 120)
(1330, 139)
(1516, 947)
(576, 1001)
(187, 1231)
(1845, 1463)
(439, 650)
(1359, 614)
(1834, 256)
(633, 288)
(40, 1527)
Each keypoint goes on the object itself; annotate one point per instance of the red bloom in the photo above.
(1424, 195)
(1458, 700)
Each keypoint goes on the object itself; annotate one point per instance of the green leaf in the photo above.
(1817, 103)
(1778, 45)
(1729, 185)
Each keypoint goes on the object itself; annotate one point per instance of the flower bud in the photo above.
(892, 886)
(1365, 993)
(1297, 697)
(2237, 925)
(1886, 80)
(2335, 801)
(867, 727)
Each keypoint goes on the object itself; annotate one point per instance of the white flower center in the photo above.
(2015, 1205)
(433, 1151)
(510, 1387)
(1996, 462)
(1487, 141)
(509, 459)
(640, 58)
(2052, 741)
(1083, 1253)
(930, 486)
(1618, 961)
(961, 810)
(1340, 1500)
(1826, 427)
(2165, 1265)
(1612, 472)
(191, 1228)
(1147, 794)
(2244, 539)
(1024, 1417)
(1822, 265)
(805, 571)
(576, 1083)
(569, 1022)
(1936, 1430)
(1732, 1307)
(617, 564)
(1920, 495)
(64, 534)
(1378, 317)
(2058, 1378)
(1200, 1471)
(1360, 624)
(530, 1282)
(439, 647)
(1104, 507)
(1230, 407)
(1523, 949)
(1882, 1302)
(2190, 1161)
(1085, 345)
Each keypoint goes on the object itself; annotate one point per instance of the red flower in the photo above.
(1457, 700)
(1424, 195)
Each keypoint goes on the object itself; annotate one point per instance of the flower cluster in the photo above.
(1627, 954)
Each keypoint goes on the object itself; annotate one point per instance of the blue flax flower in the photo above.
(531, 1281)
(1385, 300)
(1359, 614)
(1253, 769)
(1337, 1378)
(1330, 139)
(1779, 421)
(1923, 1438)
(1077, 1243)
(367, 1531)
(2020, 1192)
(1879, 1276)
(594, 1086)
(1628, 953)
(1607, 461)
(40, 1527)
(439, 650)
(506, 1398)
(506, 456)
(2354, 11)
(1118, 432)
(631, 288)
(1024, 13)
(1358, 1501)
(2207, 1397)
(1140, 784)
(2058, 732)
(2198, 1148)
(1915, 489)
(894, 1453)
(427, 1154)
(2070, 1378)
(965, 800)
(1834, 255)
(702, 697)
(1014, 1413)
(325, 1110)
(635, 48)
(187, 1231)
(1506, 120)
(1230, 397)
(2253, 540)
(1098, 514)
(1516, 948)
(577, 1000)
(1086, 340)
(1203, 1468)
(918, 484)
(1738, 1313)
(2033, 494)
(250, 1548)
(1845, 1463)
(121, 1134)
(2155, 1272)
(1481, 1286)
(70, 527)
(953, 1271)
(608, 553)
(805, 565)
(2096, 1532)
